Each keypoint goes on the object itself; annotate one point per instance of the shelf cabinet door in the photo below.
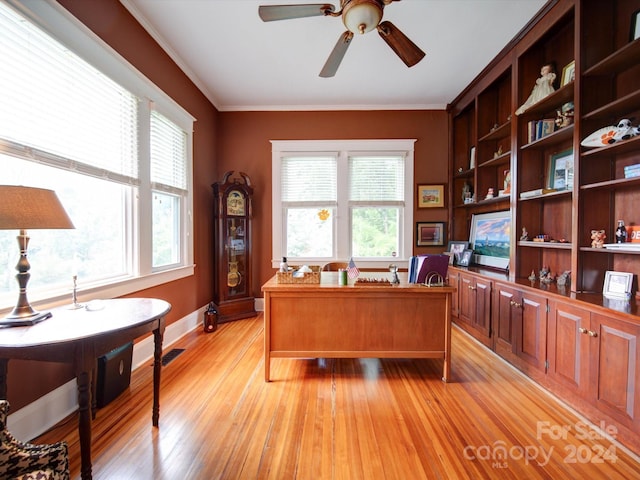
(568, 347)
(521, 327)
(615, 362)
(531, 329)
(475, 306)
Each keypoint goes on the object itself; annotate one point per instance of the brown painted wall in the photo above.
(232, 141)
(113, 23)
(245, 146)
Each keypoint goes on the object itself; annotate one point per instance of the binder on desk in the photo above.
(422, 266)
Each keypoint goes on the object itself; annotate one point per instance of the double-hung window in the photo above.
(335, 200)
(78, 119)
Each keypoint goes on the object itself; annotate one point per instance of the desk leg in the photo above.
(84, 422)
(446, 373)
(157, 368)
(3, 377)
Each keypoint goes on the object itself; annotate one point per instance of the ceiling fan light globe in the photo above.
(362, 16)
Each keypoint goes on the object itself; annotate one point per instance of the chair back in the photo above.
(334, 266)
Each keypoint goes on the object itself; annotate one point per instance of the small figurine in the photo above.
(542, 88)
(532, 277)
(564, 278)
(490, 193)
(498, 152)
(597, 238)
(525, 235)
(621, 232)
(624, 131)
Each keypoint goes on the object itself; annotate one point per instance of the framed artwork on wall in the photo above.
(430, 196)
(429, 234)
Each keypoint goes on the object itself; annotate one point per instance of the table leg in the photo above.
(157, 368)
(84, 422)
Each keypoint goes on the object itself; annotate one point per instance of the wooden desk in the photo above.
(79, 337)
(329, 321)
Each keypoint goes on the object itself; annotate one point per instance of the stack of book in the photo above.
(631, 171)
(536, 129)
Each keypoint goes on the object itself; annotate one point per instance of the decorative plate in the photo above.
(600, 138)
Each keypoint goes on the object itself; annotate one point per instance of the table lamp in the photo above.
(23, 208)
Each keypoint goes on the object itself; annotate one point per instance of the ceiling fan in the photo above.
(359, 16)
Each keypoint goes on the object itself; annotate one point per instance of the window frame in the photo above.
(343, 149)
(60, 24)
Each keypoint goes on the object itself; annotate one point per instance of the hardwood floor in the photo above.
(339, 419)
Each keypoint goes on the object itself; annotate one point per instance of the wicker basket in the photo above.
(310, 277)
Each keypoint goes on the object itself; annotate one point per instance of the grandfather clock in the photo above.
(232, 248)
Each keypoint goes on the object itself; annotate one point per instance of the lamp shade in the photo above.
(362, 16)
(29, 208)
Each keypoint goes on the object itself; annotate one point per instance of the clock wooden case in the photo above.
(232, 294)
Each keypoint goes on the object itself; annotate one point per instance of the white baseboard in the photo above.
(36, 418)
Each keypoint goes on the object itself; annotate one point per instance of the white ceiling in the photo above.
(242, 63)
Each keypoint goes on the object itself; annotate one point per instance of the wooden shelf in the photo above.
(616, 109)
(556, 137)
(499, 132)
(550, 103)
(548, 196)
(617, 184)
(610, 251)
(617, 148)
(619, 60)
(500, 159)
(550, 245)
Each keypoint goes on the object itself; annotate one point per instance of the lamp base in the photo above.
(24, 321)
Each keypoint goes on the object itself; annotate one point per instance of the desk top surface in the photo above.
(67, 325)
(329, 282)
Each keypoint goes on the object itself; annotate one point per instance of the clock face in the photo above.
(235, 203)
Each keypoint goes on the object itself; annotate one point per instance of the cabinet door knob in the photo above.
(471, 287)
(515, 304)
(583, 330)
(592, 333)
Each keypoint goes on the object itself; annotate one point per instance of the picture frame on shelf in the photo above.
(617, 285)
(465, 258)
(561, 170)
(635, 26)
(430, 196)
(456, 248)
(429, 234)
(568, 73)
(490, 239)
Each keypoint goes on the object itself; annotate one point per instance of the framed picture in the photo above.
(568, 73)
(429, 234)
(472, 158)
(456, 248)
(635, 26)
(490, 239)
(430, 196)
(561, 170)
(617, 284)
(465, 258)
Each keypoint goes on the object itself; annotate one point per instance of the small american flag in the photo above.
(352, 270)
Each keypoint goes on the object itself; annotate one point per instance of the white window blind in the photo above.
(168, 154)
(57, 109)
(309, 179)
(376, 179)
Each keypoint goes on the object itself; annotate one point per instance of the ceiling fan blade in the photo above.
(408, 51)
(333, 62)
(269, 13)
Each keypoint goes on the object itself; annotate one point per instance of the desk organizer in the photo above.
(308, 278)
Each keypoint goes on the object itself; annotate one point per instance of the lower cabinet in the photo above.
(586, 354)
(474, 306)
(520, 323)
(615, 361)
